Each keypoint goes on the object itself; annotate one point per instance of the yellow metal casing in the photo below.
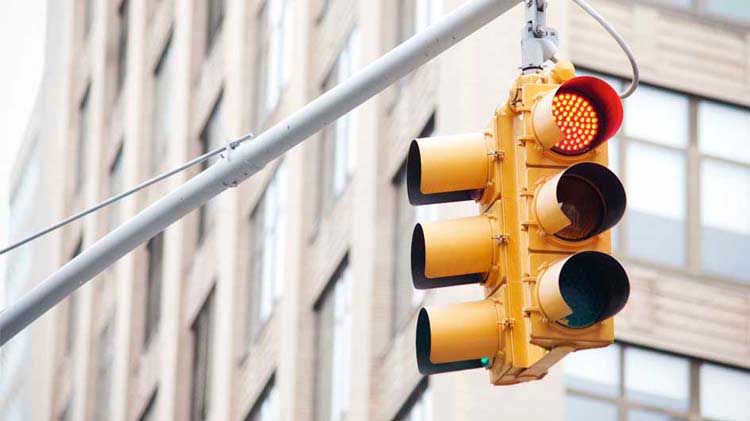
(532, 219)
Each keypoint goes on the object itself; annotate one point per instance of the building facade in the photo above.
(289, 297)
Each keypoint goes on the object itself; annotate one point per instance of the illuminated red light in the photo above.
(578, 121)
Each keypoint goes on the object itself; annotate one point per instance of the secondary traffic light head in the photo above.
(447, 169)
(579, 115)
(584, 200)
(452, 252)
(583, 289)
(457, 337)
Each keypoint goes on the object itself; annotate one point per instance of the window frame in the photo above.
(623, 404)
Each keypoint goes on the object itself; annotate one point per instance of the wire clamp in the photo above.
(538, 42)
(234, 144)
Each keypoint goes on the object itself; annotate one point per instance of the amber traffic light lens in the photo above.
(578, 121)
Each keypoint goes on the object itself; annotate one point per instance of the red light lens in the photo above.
(578, 121)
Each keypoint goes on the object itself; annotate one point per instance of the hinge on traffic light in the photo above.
(501, 238)
(499, 155)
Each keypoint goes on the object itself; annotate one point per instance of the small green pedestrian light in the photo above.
(486, 362)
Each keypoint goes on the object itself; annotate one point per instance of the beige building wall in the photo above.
(459, 90)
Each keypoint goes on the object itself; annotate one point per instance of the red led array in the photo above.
(578, 122)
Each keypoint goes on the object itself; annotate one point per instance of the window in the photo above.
(723, 392)
(149, 413)
(155, 249)
(419, 405)
(648, 385)
(123, 15)
(417, 15)
(84, 127)
(88, 16)
(656, 125)
(210, 139)
(72, 313)
(214, 20)
(735, 10)
(202, 332)
(651, 156)
(116, 186)
(162, 112)
(334, 327)
(267, 407)
(269, 223)
(338, 143)
(405, 297)
(104, 360)
(276, 32)
(67, 412)
(725, 190)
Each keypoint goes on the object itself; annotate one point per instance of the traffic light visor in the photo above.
(583, 289)
(447, 168)
(451, 252)
(581, 114)
(456, 337)
(581, 202)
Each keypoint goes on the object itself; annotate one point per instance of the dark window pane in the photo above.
(578, 408)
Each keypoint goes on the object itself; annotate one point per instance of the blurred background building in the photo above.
(289, 297)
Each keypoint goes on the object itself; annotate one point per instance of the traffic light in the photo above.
(540, 247)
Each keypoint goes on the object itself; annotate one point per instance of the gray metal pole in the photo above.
(250, 158)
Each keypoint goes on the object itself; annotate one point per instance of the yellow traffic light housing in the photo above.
(541, 246)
